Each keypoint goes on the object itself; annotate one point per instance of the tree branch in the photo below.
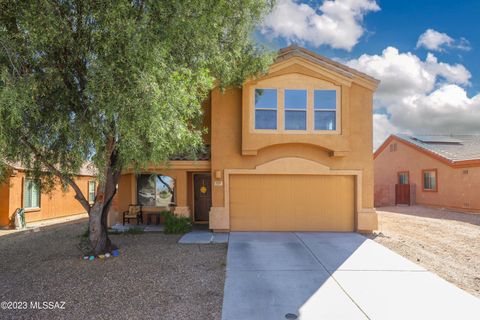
(78, 193)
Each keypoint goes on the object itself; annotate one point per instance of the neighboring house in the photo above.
(18, 191)
(289, 151)
(442, 171)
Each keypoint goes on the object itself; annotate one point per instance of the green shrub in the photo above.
(176, 225)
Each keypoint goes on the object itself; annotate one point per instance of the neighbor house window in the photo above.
(430, 180)
(325, 108)
(91, 191)
(295, 109)
(155, 190)
(266, 109)
(403, 177)
(31, 194)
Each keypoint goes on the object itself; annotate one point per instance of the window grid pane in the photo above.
(266, 109)
(325, 100)
(295, 104)
(295, 120)
(266, 119)
(91, 191)
(27, 195)
(325, 105)
(325, 120)
(31, 194)
(295, 99)
(429, 180)
(403, 178)
(35, 196)
(266, 99)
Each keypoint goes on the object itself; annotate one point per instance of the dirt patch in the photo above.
(445, 242)
(154, 277)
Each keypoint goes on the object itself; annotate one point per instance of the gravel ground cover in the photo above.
(445, 242)
(154, 277)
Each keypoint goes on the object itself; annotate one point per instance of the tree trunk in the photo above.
(99, 241)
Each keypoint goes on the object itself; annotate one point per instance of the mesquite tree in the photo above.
(118, 83)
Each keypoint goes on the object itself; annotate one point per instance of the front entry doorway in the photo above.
(202, 193)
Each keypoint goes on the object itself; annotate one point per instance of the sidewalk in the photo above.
(37, 225)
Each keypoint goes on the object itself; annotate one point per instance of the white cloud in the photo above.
(405, 74)
(434, 40)
(437, 41)
(382, 129)
(420, 96)
(336, 23)
(446, 110)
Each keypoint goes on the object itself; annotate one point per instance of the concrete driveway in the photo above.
(315, 276)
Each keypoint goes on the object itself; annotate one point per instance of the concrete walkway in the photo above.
(312, 276)
(204, 237)
(38, 225)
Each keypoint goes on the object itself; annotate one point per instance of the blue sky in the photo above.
(430, 72)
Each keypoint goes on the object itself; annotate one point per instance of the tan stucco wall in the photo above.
(227, 143)
(4, 203)
(456, 189)
(55, 204)
(127, 192)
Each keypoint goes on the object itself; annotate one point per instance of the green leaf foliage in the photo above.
(175, 224)
(85, 80)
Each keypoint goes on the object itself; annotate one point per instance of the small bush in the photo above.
(176, 225)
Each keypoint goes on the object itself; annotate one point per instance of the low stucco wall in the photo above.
(384, 195)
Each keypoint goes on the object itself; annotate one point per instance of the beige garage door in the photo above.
(291, 203)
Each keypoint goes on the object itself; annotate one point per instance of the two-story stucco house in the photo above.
(291, 150)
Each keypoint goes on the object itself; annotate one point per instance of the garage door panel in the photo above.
(291, 203)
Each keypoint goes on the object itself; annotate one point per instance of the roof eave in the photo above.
(359, 77)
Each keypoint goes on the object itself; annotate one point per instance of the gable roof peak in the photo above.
(295, 50)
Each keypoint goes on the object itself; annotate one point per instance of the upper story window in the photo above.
(300, 108)
(31, 194)
(266, 105)
(295, 109)
(325, 108)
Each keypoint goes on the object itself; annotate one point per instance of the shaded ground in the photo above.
(445, 242)
(154, 277)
